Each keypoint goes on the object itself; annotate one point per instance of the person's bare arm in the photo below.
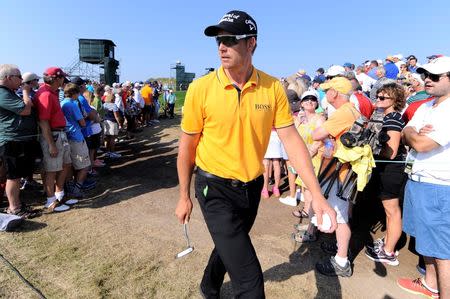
(27, 100)
(418, 141)
(390, 149)
(185, 166)
(299, 157)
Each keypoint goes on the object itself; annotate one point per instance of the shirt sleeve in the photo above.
(12, 103)
(44, 105)
(87, 108)
(76, 112)
(393, 123)
(339, 122)
(283, 116)
(193, 112)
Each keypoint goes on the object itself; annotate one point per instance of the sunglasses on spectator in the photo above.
(433, 77)
(312, 99)
(382, 98)
(231, 40)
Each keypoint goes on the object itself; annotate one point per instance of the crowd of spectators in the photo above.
(61, 125)
(58, 127)
(381, 97)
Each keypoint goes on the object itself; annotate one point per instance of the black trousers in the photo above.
(229, 213)
(171, 109)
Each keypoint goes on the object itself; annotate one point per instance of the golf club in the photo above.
(189, 248)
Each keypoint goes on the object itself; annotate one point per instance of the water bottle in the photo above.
(329, 148)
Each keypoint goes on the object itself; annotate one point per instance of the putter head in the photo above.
(184, 252)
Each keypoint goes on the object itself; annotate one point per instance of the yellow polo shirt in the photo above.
(235, 127)
(147, 94)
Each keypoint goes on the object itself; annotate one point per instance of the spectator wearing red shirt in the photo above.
(412, 108)
(365, 106)
(54, 143)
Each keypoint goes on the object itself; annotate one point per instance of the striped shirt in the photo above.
(393, 122)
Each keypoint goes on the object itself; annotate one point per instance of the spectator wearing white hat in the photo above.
(427, 192)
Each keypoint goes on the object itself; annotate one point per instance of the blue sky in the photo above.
(152, 35)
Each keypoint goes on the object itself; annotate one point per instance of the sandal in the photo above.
(23, 212)
(265, 193)
(300, 214)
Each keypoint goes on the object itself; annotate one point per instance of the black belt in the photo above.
(57, 130)
(232, 182)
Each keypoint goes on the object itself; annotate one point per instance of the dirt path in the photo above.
(121, 241)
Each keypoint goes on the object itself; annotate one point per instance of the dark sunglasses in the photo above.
(382, 98)
(312, 99)
(433, 77)
(231, 40)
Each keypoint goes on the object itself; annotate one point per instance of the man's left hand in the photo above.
(320, 207)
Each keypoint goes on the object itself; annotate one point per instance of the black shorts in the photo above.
(390, 180)
(18, 158)
(94, 141)
(148, 109)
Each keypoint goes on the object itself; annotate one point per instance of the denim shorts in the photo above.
(426, 216)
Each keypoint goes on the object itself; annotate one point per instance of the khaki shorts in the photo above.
(55, 164)
(79, 153)
(111, 128)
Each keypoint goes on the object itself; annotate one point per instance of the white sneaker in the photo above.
(71, 202)
(288, 200)
(115, 155)
(54, 206)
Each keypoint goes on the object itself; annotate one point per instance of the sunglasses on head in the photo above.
(382, 98)
(433, 77)
(231, 40)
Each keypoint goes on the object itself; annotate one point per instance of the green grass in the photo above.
(180, 98)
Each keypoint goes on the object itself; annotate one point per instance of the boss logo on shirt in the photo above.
(264, 107)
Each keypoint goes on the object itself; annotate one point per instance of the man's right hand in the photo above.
(184, 209)
(53, 150)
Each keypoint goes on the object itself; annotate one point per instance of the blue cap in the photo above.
(90, 88)
(347, 64)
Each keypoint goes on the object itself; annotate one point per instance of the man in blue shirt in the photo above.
(390, 68)
(90, 115)
(79, 152)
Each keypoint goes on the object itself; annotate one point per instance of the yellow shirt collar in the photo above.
(225, 81)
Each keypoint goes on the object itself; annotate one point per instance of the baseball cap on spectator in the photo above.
(411, 57)
(418, 78)
(107, 88)
(293, 99)
(115, 85)
(126, 84)
(434, 56)
(300, 73)
(28, 77)
(390, 58)
(437, 66)
(235, 22)
(137, 84)
(320, 70)
(309, 93)
(340, 84)
(78, 81)
(347, 64)
(399, 56)
(335, 70)
(54, 72)
(90, 88)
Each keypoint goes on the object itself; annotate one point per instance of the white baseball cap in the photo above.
(28, 76)
(437, 66)
(335, 70)
(309, 92)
